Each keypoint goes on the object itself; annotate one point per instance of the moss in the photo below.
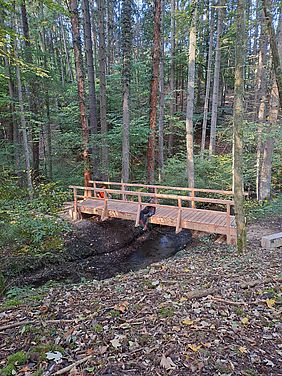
(8, 370)
(97, 328)
(166, 312)
(2, 283)
(114, 313)
(19, 358)
(12, 303)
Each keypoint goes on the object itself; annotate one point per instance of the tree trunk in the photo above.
(172, 77)
(268, 145)
(190, 97)
(260, 111)
(238, 125)
(208, 85)
(80, 89)
(103, 98)
(126, 76)
(162, 102)
(215, 94)
(276, 54)
(91, 84)
(23, 126)
(32, 90)
(154, 94)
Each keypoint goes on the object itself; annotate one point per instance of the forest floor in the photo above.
(206, 311)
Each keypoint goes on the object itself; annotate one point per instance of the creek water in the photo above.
(160, 245)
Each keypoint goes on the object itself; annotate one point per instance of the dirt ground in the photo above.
(206, 311)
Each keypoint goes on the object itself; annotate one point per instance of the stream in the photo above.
(100, 250)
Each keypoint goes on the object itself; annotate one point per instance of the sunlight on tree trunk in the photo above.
(238, 126)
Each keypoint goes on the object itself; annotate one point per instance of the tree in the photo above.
(215, 94)
(154, 93)
(23, 126)
(126, 75)
(172, 75)
(190, 97)
(162, 99)
(277, 60)
(208, 85)
(238, 125)
(32, 90)
(103, 98)
(80, 89)
(91, 82)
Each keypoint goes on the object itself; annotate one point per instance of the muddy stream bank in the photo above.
(100, 250)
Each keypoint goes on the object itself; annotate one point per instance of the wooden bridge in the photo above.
(182, 208)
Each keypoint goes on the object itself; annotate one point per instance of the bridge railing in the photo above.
(95, 193)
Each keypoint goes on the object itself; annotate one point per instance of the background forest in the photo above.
(141, 91)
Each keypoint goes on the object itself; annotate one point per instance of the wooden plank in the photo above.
(272, 241)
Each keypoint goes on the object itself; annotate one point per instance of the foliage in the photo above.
(29, 226)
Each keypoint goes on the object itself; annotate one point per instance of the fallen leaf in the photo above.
(243, 350)
(245, 320)
(186, 270)
(116, 341)
(56, 356)
(193, 347)
(268, 362)
(122, 307)
(187, 322)
(270, 303)
(183, 299)
(167, 363)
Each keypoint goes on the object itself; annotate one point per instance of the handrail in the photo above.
(154, 195)
(203, 190)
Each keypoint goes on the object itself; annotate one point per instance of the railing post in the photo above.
(193, 198)
(138, 210)
(228, 223)
(94, 186)
(75, 199)
(104, 215)
(178, 221)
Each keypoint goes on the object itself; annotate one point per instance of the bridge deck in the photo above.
(194, 219)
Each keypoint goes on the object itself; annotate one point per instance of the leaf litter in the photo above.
(207, 311)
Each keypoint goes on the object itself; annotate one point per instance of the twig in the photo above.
(68, 368)
(259, 282)
(227, 301)
(31, 322)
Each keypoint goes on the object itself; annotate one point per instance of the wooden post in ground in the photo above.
(192, 199)
(104, 215)
(138, 210)
(228, 223)
(178, 221)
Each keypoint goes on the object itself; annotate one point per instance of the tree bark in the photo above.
(276, 53)
(91, 84)
(103, 98)
(154, 94)
(190, 97)
(32, 90)
(126, 76)
(172, 77)
(268, 145)
(260, 110)
(162, 100)
(238, 119)
(80, 89)
(215, 94)
(208, 85)
(23, 125)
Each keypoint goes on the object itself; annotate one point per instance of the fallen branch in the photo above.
(201, 293)
(232, 302)
(31, 322)
(68, 368)
(256, 282)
